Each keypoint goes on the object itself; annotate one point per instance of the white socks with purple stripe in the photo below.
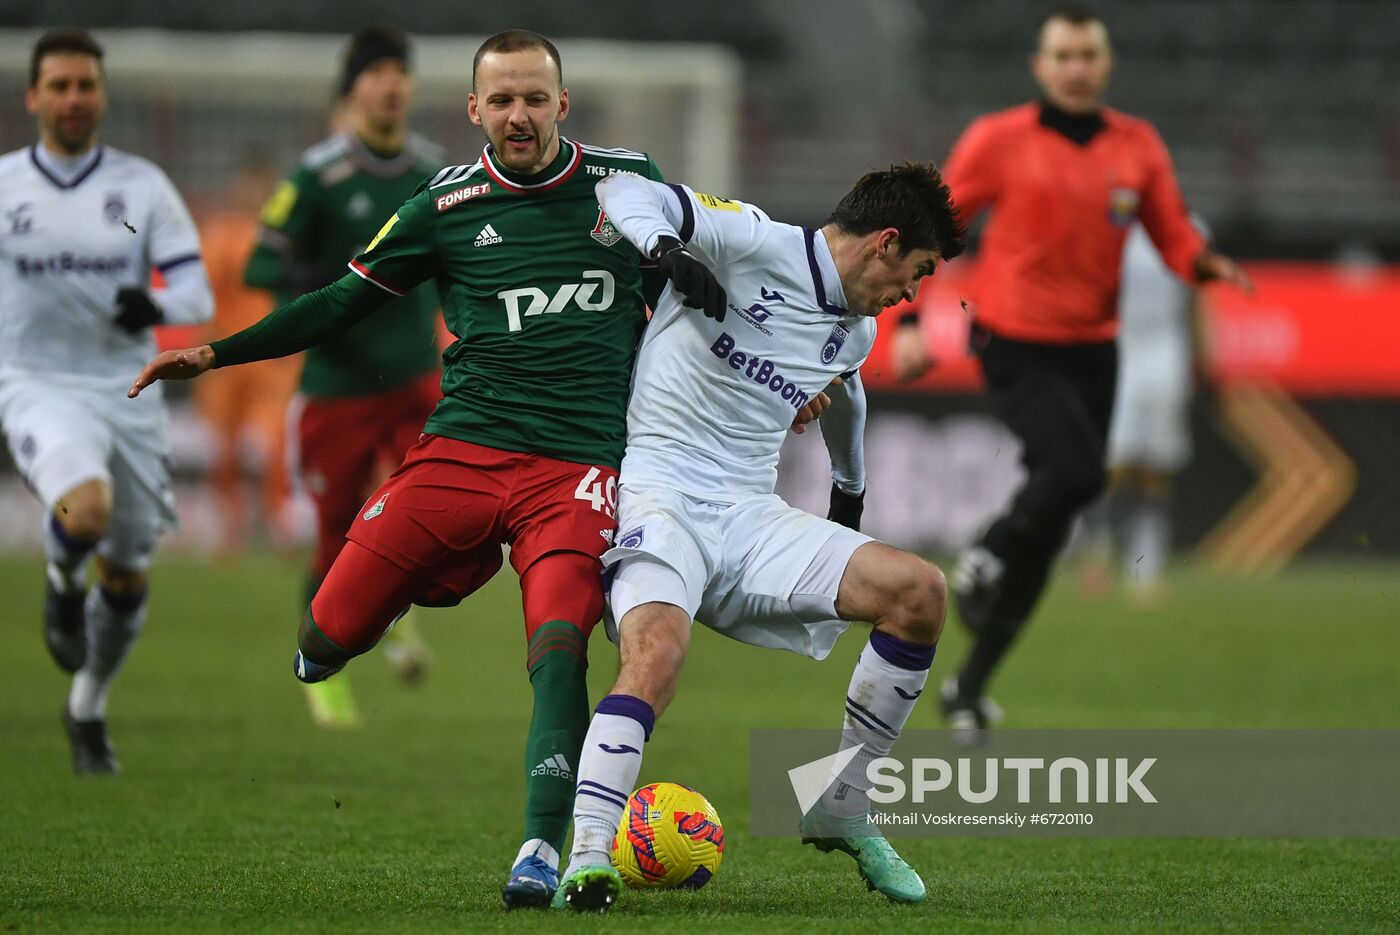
(607, 773)
(889, 677)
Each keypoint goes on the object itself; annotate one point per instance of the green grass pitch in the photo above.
(235, 814)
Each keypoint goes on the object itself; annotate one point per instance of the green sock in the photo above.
(558, 665)
(310, 586)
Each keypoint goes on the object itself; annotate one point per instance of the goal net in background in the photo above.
(198, 104)
(195, 103)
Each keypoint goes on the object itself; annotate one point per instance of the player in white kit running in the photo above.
(702, 534)
(82, 228)
(1149, 437)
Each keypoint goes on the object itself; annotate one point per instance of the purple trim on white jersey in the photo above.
(176, 262)
(687, 213)
(820, 287)
(58, 182)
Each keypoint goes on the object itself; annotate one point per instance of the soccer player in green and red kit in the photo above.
(545, 299)
(366, 390)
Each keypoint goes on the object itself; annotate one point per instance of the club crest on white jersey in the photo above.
(712, 402)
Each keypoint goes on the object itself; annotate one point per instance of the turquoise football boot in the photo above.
(882, 869)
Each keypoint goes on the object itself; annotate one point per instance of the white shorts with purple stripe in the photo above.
(756, 570)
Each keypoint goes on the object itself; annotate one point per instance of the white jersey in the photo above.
(1150, 426)
(712, 401)
(68, 243)
(1154, 309)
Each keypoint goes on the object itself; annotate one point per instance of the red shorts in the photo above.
(444, 514)
(347, 445)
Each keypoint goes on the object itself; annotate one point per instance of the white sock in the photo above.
(1148, 543)
(111, 632)
(538, 847)
(607, 773)
(889, 678)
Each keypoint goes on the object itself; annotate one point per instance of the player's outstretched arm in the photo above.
(184, 364)
(303, 322)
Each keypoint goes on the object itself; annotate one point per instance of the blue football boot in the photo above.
(531, 885)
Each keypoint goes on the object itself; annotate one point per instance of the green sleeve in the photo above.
(288, 221)
(301, 323)
(404, 252)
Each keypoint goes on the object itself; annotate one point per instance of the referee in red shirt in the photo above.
(1064, 178)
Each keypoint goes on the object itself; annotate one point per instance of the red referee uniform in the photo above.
(1063, 190)
(1049, 262)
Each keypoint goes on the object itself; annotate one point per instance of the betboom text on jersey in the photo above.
(759, 370)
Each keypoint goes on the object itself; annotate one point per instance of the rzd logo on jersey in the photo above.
(594, 294)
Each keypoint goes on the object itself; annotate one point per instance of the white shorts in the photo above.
(1151, 422)
(758, 571)
(61, 435)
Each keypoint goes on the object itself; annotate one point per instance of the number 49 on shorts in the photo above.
(602, 497)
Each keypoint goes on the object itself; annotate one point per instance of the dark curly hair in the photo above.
(912, 199)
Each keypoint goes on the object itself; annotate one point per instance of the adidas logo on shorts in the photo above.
(488, 236)
(555, 766)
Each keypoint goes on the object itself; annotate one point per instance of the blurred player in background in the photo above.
(364, 393)
(706, 537)
(83, 229)
(250, 403)
(1064, 178)
(1149, 438)
(545, 298)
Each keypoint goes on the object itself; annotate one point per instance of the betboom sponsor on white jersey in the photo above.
(67, 246)
(713, 401)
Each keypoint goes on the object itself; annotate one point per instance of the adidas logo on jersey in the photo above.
(488, 236)
(555, 766)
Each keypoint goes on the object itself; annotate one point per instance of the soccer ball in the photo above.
(670, 836)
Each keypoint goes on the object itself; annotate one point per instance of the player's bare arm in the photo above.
(301, 323)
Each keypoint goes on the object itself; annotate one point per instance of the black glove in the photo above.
(135, 311)
(846, 508)
(692, 279)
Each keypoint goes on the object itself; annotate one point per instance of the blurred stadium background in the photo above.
(1283, 119)
(1274, 111)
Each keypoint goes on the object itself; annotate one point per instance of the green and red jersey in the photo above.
(319, 217)
(542, 293)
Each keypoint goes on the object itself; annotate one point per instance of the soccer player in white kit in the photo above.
(701, 534)
(1149, 437)
(82, 227)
